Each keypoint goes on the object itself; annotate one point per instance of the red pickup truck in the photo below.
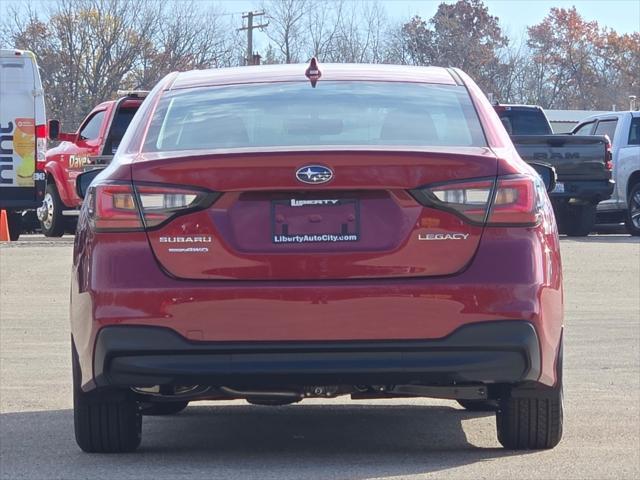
(92, 146)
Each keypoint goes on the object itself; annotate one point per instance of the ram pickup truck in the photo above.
(623, 128)
(582, 163)
(92, 146)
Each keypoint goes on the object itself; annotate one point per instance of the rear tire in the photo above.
(577, 220)
(632, 220)
(105, 421)
(530, 423)
(533, 423)
(164, 408)
(53, 225)
(479, 405)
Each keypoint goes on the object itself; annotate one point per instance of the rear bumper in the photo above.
(22, 198)
(488, 352)
(593, 190)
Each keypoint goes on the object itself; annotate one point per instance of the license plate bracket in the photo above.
(331, 220)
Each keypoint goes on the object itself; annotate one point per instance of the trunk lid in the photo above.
(268, 225)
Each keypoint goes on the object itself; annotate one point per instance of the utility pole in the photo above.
(249, 28)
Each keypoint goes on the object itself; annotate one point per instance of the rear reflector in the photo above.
(41, 146)
(514, 200)
(127, 207)
(608, 162)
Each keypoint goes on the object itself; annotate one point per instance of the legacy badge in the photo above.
(443, 236)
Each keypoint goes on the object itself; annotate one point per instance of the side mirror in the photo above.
(547, 174)
(84, 180)
(55, 134)
(54, 129)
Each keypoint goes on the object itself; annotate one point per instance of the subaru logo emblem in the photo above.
(314, 174)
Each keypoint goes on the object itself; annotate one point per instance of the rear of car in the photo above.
(264, 237)
(22, 136)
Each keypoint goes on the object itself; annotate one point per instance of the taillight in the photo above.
(608, 159)
(128, 207)
(113, 207)
(516, 202)
(159, 203)
(41, 146)
(469, 199)
(512, 200)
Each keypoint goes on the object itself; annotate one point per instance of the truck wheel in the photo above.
(51, 219)
(633, 211)
(577, 220)
(105, 421)
(14, 221)
(479, 405)
(164, 408)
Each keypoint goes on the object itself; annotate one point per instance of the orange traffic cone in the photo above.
(4, 227)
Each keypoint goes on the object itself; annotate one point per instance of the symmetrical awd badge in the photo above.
(314, 174)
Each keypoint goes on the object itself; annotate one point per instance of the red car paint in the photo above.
(388, 285)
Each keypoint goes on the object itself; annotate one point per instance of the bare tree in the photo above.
(85, 48)
(323, 22)
(88, 49)
(187, 38)
(360, 34)
(287, 26)
(511, 74)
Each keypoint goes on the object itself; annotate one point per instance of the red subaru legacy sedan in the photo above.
(279, 233)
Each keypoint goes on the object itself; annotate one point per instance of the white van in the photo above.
(23, 135)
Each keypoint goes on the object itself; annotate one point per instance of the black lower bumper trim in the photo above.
(485, 352)
(584, 189)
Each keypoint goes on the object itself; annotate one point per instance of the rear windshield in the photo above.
(333, 113)
(122, 121)
(524, 121)
(118, 128)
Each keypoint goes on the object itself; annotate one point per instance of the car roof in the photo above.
(518, 106)
(296, 72)
(617, 114)
(128, 103)
(14, 52)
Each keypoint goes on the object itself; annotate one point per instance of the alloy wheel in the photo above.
(634, 207)
(48, 207)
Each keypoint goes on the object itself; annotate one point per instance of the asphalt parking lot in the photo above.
(336, 439)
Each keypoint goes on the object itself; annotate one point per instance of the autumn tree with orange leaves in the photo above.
(576, 64)
(462, 35)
